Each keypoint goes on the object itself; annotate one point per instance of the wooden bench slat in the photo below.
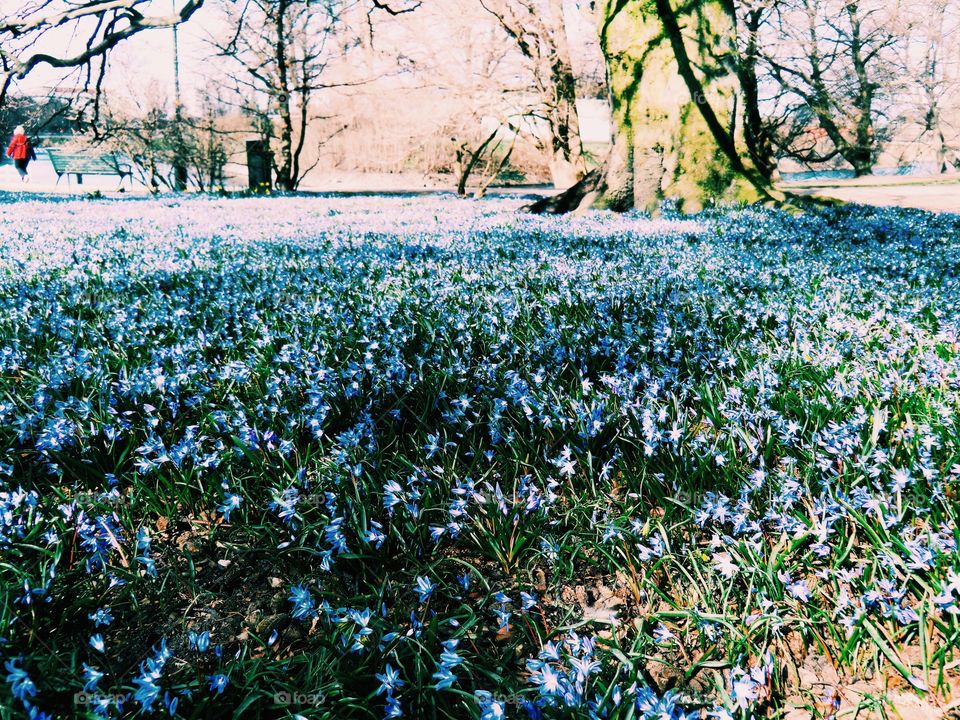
(85, 164)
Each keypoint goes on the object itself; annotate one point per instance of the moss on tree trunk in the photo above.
(677, 112)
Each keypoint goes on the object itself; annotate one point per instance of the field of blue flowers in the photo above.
(428, 458)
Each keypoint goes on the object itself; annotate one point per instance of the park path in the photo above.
(935, 195)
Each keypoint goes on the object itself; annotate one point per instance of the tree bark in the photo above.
(863, 153)
(677, 114)
(285, 178)
(567, 164)
(756, 134)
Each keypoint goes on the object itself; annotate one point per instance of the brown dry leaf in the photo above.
(796, 645)
(616, 489)
(541, 580)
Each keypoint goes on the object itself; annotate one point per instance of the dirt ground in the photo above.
(936, 194)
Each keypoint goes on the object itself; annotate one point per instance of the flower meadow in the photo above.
(431, 458)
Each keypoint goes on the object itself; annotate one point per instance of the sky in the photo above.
(141, 67)
(145, 59)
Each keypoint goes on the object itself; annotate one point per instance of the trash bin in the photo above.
(259, 173)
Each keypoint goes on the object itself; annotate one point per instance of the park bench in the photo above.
(86, 163)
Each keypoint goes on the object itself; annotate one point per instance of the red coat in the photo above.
(20, 148)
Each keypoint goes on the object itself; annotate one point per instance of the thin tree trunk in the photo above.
(862, 155)
(285, 179)
(757, 137)
(471, 163)
(485, 185)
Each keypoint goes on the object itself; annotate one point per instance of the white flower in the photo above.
(724, 564)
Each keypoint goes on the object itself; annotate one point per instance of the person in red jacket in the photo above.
(21, 150)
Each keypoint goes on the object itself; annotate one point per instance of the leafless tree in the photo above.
(49, 113)
(835, 68)
(931, 57)
(77, 35)
(538, 28)
(282, 48)
(140, 123)
(143, 133)
(753, 17)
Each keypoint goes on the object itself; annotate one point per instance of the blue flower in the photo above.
(549, 680)
(151, 670)
(230, 503)
(199, 641)
(449, 659)
(584, 667)
(218, 683)
(91, 678)
(444, 678)
(424, 588)
(490, 707)
(171, 702)
(21, 686)
(103, 616)
(375, 535)
(303, 603)
(393, 708)
(389, 680)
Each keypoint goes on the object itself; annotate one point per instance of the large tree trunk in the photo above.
(677, 112)
(567, 164)
(863, 154)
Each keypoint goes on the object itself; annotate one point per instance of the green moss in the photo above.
(653, 103)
